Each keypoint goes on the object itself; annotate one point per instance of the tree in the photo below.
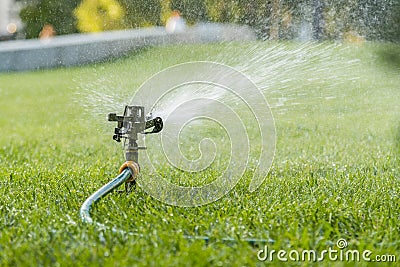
(57, 13)
(382, 19)
(318, 21)
(192, 10)
(142, 13)
(99, 15)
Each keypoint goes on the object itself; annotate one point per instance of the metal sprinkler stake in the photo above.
(129, 126)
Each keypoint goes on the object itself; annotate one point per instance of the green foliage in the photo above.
(99, 15)
(392, 28)
(373, 19)
(54, 12)
(192, 10)
(141, 13)
(380, 19)
(165, 11)
(255, 13)
(275, 19)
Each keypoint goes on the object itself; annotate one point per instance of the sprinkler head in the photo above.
(130, 125)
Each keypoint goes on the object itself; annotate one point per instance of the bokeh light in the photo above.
(12, 28)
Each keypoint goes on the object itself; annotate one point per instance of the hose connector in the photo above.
(133, 166)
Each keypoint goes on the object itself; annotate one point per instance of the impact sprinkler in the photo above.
(129, 126)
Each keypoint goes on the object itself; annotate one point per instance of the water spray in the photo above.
(132, 123)
(199, 99)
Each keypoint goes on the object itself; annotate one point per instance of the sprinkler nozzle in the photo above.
(131, 124)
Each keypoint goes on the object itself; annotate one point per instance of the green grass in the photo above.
(335, 174)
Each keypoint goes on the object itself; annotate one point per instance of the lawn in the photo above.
(335, 174)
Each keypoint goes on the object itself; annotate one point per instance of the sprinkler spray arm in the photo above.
(157, 123)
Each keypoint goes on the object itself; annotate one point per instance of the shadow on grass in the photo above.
(137, 52)
(390, 56)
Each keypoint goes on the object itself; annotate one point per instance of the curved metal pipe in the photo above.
(127, 170)
(103, 191)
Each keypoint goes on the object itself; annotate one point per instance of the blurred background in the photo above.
(351, 20)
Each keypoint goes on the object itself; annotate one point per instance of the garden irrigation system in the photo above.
(129, 126)
(132, 123)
